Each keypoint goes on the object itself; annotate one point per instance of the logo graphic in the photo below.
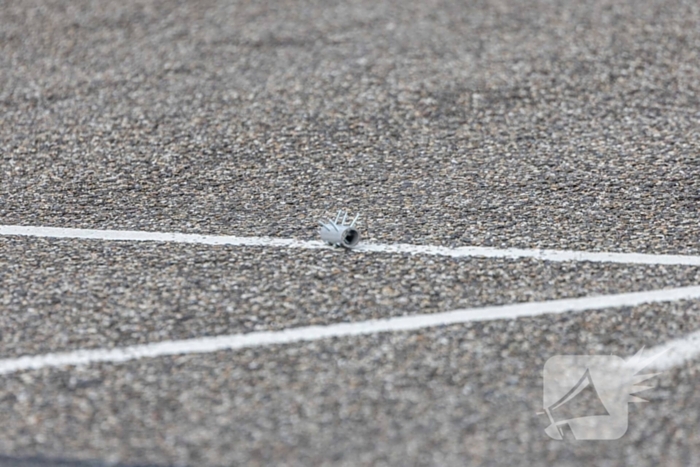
(588, 395)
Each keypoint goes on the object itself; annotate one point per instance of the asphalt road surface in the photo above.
(505, 124)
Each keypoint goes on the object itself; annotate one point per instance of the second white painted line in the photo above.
(312, 333)
(399, 248)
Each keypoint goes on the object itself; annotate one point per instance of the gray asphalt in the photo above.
(459, 395)
(63, 295)
(556, 124)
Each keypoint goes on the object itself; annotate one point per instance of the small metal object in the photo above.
(337, 233)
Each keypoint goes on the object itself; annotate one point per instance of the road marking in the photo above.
(399, 248)
(675, 352)
(312, 333)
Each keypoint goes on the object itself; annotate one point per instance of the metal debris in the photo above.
(337, 233)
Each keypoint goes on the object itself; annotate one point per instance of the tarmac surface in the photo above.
(527, 124)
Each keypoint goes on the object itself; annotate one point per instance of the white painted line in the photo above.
(400, 248)
(543, 255)
(169, 237)
(312, 333)
(676, 352)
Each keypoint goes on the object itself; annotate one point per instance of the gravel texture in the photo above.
(543, 123)
(456, 395)
(540, 123)
(67, 294)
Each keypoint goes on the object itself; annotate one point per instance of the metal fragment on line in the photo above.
(338, 233)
